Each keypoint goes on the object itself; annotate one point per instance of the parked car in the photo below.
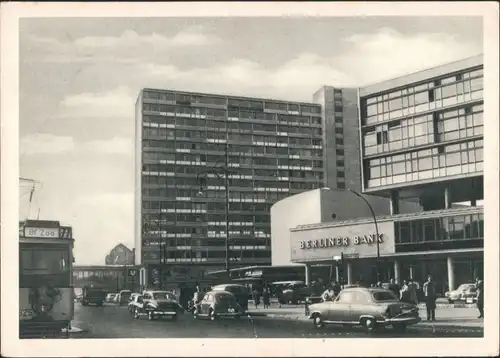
(218, 304)
(123, 297)
(93, 295)
(157, 304)
(239, 292)
(110, 297)
(465, 292)
(367, 307)
(296, 292)
(135, 302)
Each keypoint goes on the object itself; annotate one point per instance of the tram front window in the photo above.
(44, 265)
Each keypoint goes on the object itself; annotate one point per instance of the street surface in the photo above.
(112, 321)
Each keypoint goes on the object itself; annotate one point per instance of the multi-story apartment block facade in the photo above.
(273, 149)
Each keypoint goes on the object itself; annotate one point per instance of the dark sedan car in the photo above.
(367, 307)
(218, 304)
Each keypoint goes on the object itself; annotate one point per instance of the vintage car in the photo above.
(370, 308)
(110, 297)
(135, 301)
(123, 297)
(157, 304)
(465, 292)
(239, 292)
(218, 304)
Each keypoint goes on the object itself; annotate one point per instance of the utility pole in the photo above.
(32, 192)
(376, 231)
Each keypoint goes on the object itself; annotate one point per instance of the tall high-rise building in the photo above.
(341, 156)
(272, 148)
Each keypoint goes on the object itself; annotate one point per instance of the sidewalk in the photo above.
(440, 303)
(464, 318)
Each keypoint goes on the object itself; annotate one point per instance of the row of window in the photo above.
(232, 112)
(191, 256)
(462, 227)
(438, 127)
(86, 274)
(426, 164)
(285, 140)
(260, 195)
(216, 133)
(185, 98)
(428, 99)
(210, 242)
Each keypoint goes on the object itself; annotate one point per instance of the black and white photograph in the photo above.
(230, 178)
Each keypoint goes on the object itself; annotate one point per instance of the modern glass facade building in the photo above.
(421, 140)
(422, 137)
(273, 149)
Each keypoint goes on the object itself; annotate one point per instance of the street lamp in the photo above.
(376, 229)
(222, 173)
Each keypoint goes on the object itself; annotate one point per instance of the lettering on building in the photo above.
(341, 241)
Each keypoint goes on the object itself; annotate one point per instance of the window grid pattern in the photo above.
(272, 155)
(435, 94)
(462, 158)
(460, 227)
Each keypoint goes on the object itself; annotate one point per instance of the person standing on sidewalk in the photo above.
(430, 298)
(265, 298)
(394, 287)
(480, 297)
(256, 297)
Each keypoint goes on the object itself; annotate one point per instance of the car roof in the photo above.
(370, 290)
(229, 285)
(220, 293)
(158, 291)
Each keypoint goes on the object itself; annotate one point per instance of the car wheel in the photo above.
(450, 301)
(318, 321)
(399, 327)
(212, 315)
(174, 317)
(151, 316)
(369, 325)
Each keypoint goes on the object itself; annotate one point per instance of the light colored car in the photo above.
(218, 304)
(110, 297)
(465, 292)
(135, 302)
(367, 307)
(157, 304)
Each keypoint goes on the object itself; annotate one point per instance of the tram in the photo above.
(46, 294)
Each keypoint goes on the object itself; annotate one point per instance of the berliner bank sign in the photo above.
(323, 243)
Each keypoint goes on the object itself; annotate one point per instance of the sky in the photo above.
(79, 80)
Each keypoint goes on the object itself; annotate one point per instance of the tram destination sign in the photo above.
(63, 232)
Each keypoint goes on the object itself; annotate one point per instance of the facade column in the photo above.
(447, 198)
(394, 203)
(451, 273)
(397, 272)
(307, 274)
(337, 274)
(412, 272)
(349, 272)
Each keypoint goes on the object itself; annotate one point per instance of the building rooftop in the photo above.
(419, 76)
(228, 95)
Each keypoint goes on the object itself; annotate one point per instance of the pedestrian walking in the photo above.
(266, 298)
(430, 298)
(256, 297)
(279, 296)
(480, 297)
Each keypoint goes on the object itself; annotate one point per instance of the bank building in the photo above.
(420, 158)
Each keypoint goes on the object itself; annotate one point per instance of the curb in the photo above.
(421, 324)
